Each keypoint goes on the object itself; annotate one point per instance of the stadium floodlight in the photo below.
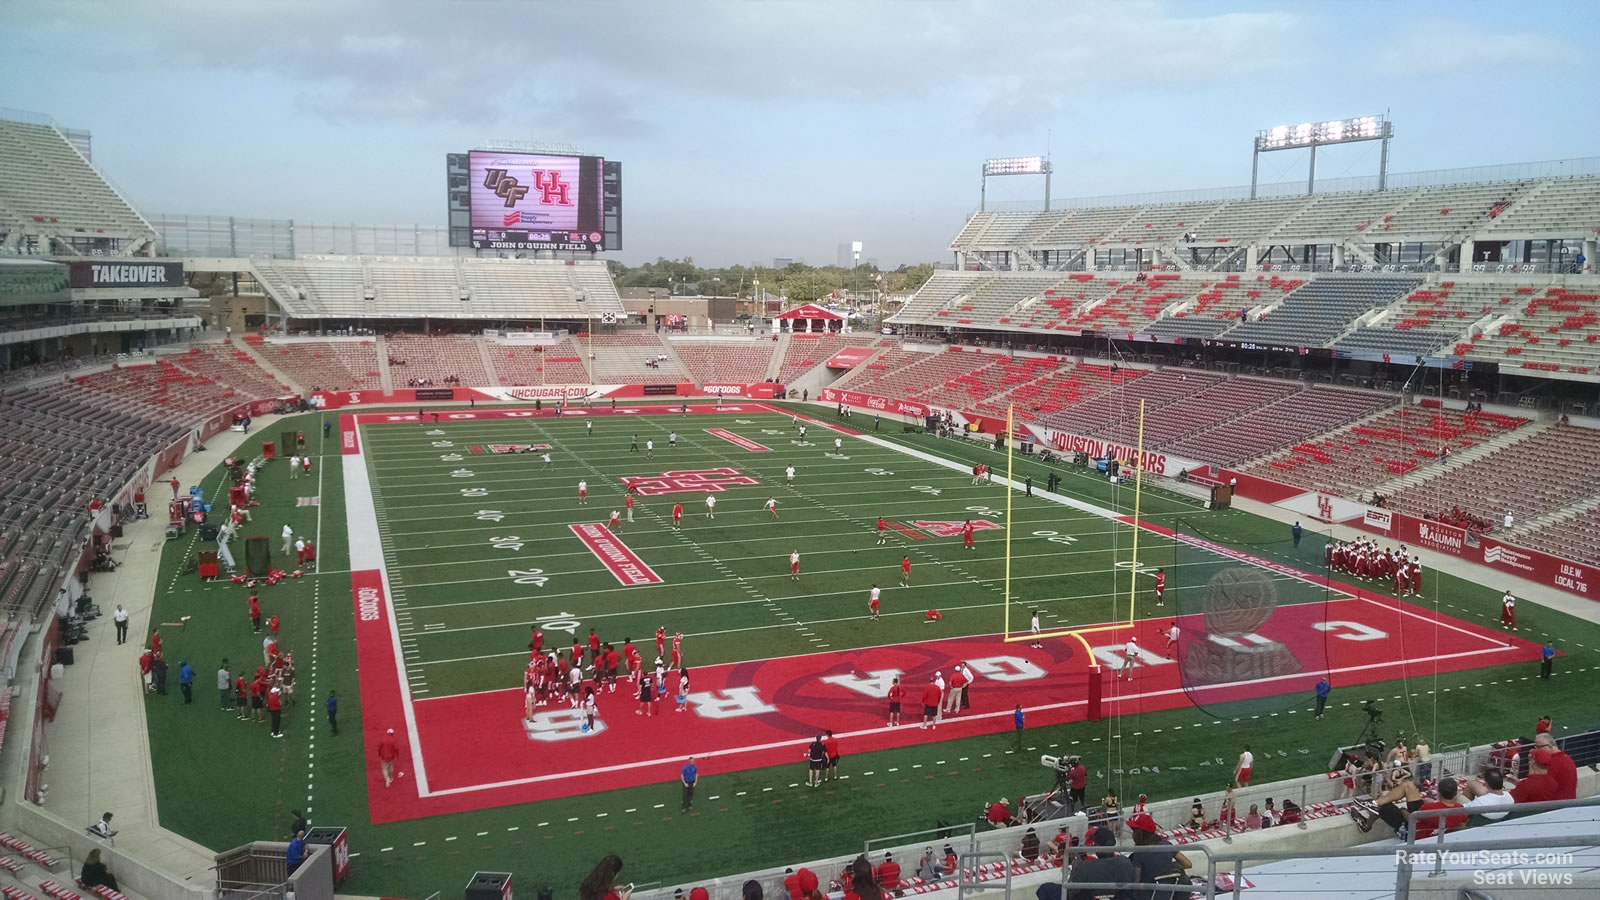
(1015, 165)
(1311, 135)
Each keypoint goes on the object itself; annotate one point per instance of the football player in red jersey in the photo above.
(897, 695)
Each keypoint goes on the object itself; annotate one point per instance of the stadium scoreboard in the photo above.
(512, 200)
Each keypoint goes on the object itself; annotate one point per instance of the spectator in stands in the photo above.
(751, 890)
(1252, 819)
(1449, 798)
(998, 815)
(1403, 793)
(802, 885)
(928, 866)
(1158, 864)
(862, 881)
(1561, 767)
(888, 873)
(95, 873)
(1269, 816)
(1489, 793)
(1197, 814)
(103, 827)
(1539, 786)
(1030, 846)
(601, 883)
(1104, 868)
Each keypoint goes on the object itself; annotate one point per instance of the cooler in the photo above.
(268, 450)
(207, 563)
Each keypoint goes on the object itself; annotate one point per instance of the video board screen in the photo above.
(524, 201)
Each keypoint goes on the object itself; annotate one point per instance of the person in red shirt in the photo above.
(831, 744)
(275, 710)
(388, 752)
(174, 484)
(931, 698)
(966, 535)
(897, 695)
(883, 531)
(147, 660)
(536, 642)
(661, 641)
(629, 502)
(888, 873)
(1161, 587)
(613, 658)
(241, 697)
(594, 647)
(614, 521)
(999, 816)
(630, 655)
(905, 571)
(1561, 767)
(677, 514)
(1538, 787)
(155, 641)
(258, 690)
(1449, 790)
(272, 625)
(1540, 727)
(255, 613)
(677, 650)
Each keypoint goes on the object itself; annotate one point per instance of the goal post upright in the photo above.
(1010, 489)
(1138, 493)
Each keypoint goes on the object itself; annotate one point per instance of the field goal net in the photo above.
(1250, 641)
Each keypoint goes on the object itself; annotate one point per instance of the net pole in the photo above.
(1138, 491)
(1010, 490)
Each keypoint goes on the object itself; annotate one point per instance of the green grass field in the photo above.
(466, 621)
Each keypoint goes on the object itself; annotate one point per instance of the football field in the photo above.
(465, 540)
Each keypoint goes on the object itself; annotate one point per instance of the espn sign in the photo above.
(125, 274)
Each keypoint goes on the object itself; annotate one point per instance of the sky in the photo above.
(753, 130)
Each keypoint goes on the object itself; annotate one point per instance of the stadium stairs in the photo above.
(385, 376)
(254, 350)
(775, 364)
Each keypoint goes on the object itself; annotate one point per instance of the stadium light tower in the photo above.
(1015, 165)
(1315, 134)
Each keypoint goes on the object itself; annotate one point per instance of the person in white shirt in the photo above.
(547, 463)
(1034, 628)
(1491, 793)
(772, 506)
(120, 617)
(294, 467)
(838, 443)
(794, 566)
(300, 551)
(938, 680)
(1241, 772)
(649, 449)
(1130, 654)
(872, 602)
(711, 506)
(583, 493)
(288, 540)
(789, 474)
(1172, 638)
(672, 439)
(588, 428)
(1509, 521)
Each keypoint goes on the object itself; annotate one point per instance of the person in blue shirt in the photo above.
(1296, 531)
(1017, 718)
(186, 680)
(1547, 660)
(333, 712)
(1323, 690)
(296, 854)
(327, 426)
(690, 775)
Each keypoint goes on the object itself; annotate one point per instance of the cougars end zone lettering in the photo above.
(873, 401)
(696, 481)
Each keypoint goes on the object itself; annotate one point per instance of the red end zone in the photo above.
(482, 753)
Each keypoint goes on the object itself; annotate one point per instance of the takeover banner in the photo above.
(874, 402)
(1153, 462)
(1541, 568)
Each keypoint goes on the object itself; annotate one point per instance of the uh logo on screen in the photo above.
(552, 190)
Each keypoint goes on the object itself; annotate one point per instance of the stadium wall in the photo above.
(551, 392)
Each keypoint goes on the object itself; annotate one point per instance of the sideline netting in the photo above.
(1237, 634)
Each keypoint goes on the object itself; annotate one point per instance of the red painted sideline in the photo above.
(748, 715)
(381, 701)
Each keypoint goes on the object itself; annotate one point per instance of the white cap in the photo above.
(391, 731)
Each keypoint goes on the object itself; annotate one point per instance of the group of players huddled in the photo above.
(553, 677)
(1364, 559)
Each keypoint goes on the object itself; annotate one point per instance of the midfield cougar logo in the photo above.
(697, 481)
(504, 186)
